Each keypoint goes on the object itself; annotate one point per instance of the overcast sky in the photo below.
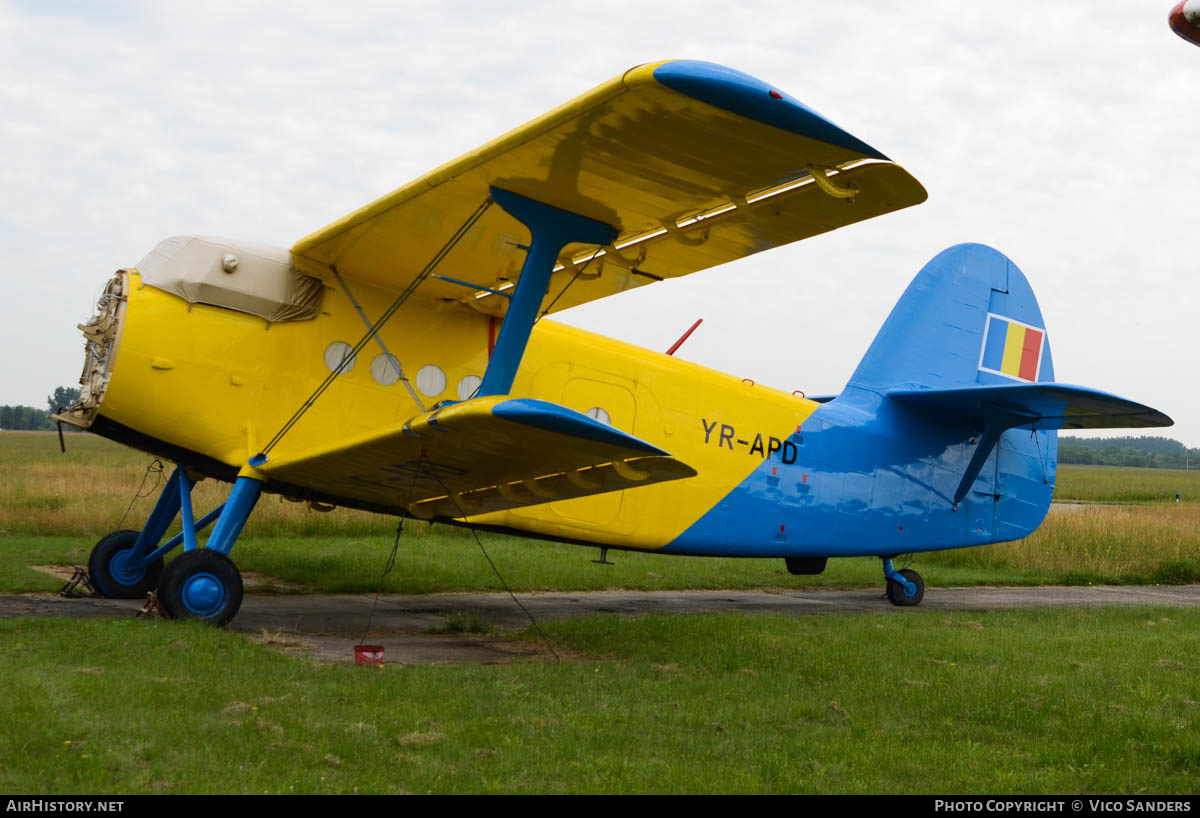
(1062, 133)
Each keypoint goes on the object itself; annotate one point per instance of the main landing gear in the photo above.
(904, 587)
(201, 583)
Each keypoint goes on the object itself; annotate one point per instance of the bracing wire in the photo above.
(391, 560)
(155, 467)
(566, 286)
(479, 542)
(463, 229)
(1041, 458)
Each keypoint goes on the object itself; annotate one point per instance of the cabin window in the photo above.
(598, 414)
(385, 369)
(431, 381)
(337, 352)
(469, 386)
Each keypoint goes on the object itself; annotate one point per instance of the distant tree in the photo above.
(1152, 452)
(24, 418)
(63, 396)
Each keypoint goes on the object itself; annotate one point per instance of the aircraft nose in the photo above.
(101, 333)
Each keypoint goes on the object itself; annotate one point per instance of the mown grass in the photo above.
(1098, 701)
(53, 507)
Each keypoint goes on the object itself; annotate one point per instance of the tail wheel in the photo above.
(201, 584)
(114, 575)
(897, 594)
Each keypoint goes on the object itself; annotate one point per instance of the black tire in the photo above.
(895, 591)
(201, 584)
(109, 575)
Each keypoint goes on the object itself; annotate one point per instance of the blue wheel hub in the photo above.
(203, 594)
(124, 570)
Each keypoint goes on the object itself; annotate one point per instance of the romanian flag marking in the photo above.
(1011, 348)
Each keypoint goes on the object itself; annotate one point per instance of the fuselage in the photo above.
(777, 474)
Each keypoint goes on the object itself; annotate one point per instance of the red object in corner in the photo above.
(1185, 20)
(368, 654)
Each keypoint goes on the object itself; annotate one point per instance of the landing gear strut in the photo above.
(201, 583)
(904, 588)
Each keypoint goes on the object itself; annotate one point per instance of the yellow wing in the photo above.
(694, 164)
(478, 456)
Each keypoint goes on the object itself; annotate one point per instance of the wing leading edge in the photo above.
(693, 165)
(479, 456)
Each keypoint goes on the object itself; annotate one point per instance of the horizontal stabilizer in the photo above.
(1036, 405)
(479, 456)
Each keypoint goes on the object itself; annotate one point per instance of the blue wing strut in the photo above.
(552, 230)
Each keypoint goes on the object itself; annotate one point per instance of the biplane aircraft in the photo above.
(395, 360)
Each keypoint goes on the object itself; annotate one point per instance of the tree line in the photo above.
(1145, 452)
(29, 418)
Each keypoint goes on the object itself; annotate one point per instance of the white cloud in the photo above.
(1059, 135)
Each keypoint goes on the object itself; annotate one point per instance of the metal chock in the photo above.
(152, 608)
(79, 579)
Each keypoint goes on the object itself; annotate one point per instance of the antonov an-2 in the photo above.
(395, 360)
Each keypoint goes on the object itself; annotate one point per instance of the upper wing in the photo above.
(694, 164)
(479, 456)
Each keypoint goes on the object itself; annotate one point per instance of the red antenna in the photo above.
(684, 337)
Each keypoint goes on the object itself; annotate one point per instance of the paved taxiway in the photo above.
(411, 628)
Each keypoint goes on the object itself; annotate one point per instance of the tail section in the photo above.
(969, 317)
(965, 353)
(944, 437)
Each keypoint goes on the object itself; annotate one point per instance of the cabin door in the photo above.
(614, 406)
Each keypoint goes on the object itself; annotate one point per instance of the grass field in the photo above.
(1056, 701)
(1096, 701)
(53, 507)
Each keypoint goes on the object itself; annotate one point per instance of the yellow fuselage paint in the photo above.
(234, 381)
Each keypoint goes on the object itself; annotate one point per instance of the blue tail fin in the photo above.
(966, 346)
(951, 328)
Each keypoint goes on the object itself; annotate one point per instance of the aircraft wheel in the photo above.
(201, 584)
(111, 574)
(896, 594)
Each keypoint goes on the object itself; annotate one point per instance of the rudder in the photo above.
(939, 334)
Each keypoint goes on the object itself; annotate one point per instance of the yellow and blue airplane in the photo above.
(396, 360)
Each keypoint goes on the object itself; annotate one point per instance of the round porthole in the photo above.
(431, 381)
(337, 352)
(468, 386)
(599, 415)
(385, 369)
